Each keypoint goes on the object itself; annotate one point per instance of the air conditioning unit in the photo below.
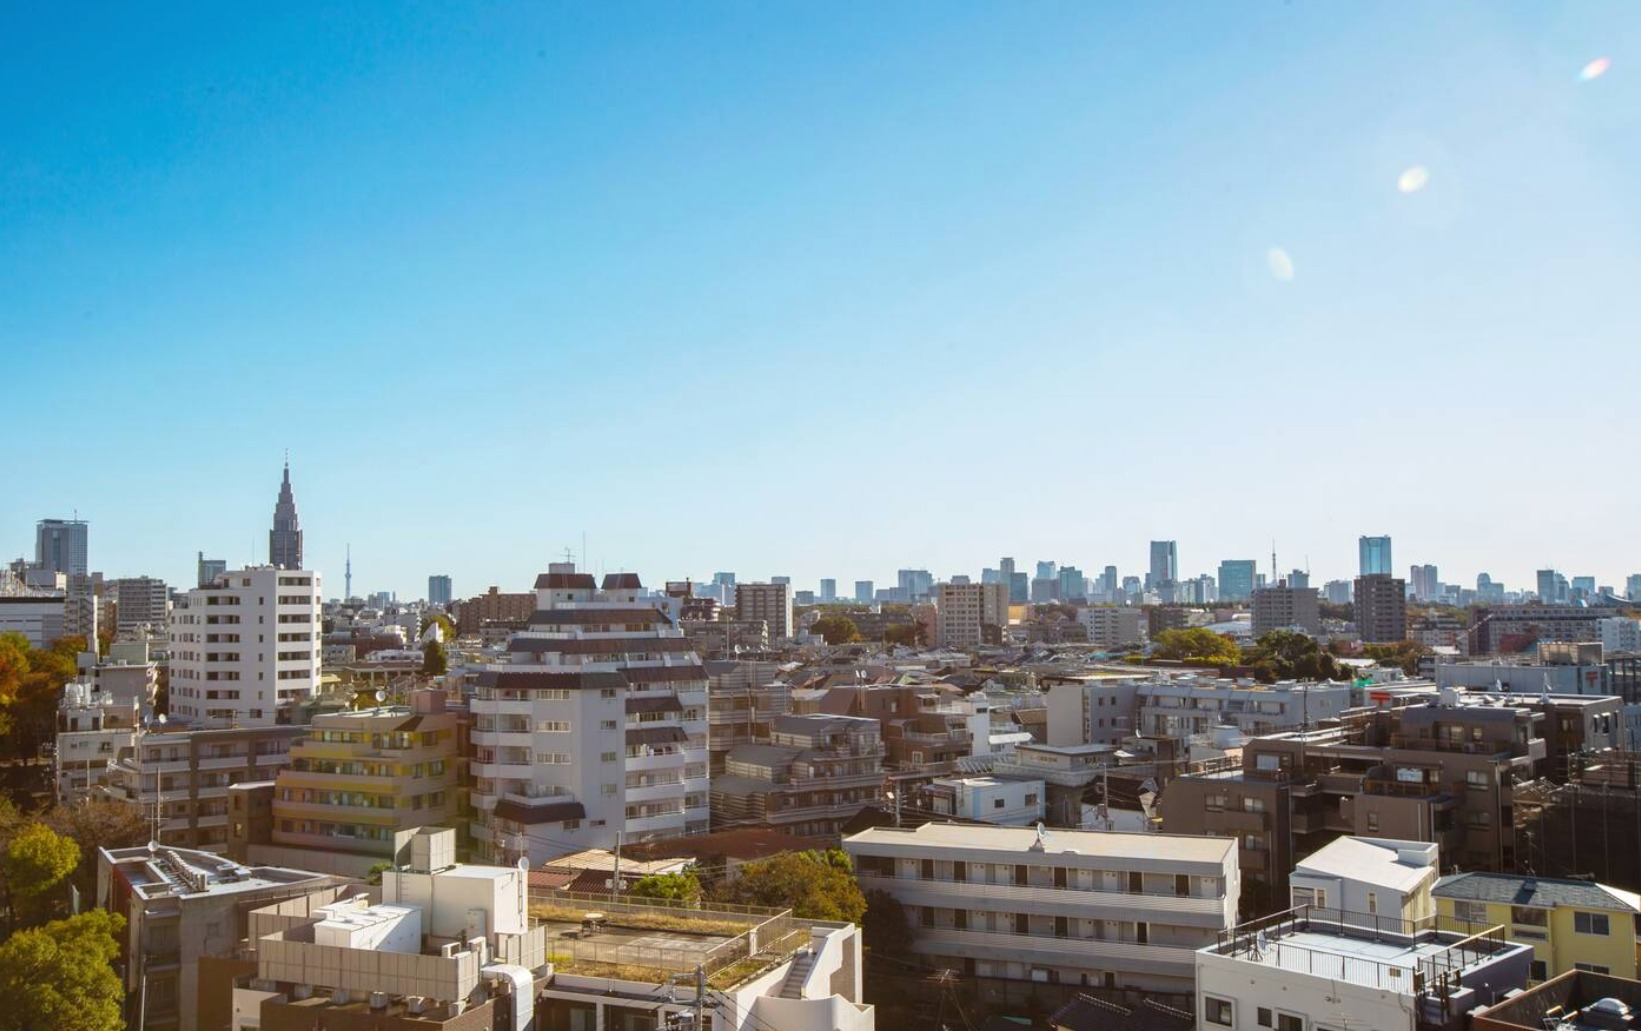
(378, 1000)
(416, 1005)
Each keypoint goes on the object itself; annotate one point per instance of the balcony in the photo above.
(1240, 821)
(1064, 952)
(1081, 903)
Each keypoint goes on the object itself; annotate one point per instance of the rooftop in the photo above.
(1018, 840)
(1538, 892)
(159, 872)
(1380, 861)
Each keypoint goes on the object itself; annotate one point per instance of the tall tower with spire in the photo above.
(285, 539)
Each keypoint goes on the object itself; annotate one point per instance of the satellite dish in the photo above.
(381, 695)
(162, 719)
(153, 846)
(524, 864)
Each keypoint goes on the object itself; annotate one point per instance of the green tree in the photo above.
(814, 885)
(1195, 644)
(909, 634)
(61, 977)
(683, 886)
(37, 860)
(95, 824)
(446, 627)
(374, 874)
(1405, 654)
(434, 660)
(885, 926)
(836, 629)
(1289, 655)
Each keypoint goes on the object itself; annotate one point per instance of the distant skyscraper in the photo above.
(1236, 579)
(1375, 556)
(1583, 588)
(1425, 579)
(1552, 587)
(1632, 587)
(863, 591)
(828, 591)
(1045, 571)
(285, 539)
(1073, 585)
(783, 580)
(60, 545)
(1108, 584)
(916, 584)
(1019, 588)
(1164, 563)
(210, 569)
(1299, 579)
(438, 589)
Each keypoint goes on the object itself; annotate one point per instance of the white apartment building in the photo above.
(595, 725)
(1293, 972)
(770, 602)
(1619, 634)
(962, 611)
(93, 727)
(1112, 626)
(1090, 708)
(246, 648)
(1098, 908)
(141, 601)
(1191, 707)
(1363, 880)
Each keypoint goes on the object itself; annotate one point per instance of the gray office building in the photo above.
(60, 546)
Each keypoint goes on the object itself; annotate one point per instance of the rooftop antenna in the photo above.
(347, 589)
(1273, 562)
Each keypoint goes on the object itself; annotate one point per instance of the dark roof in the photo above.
(565, 582)
(539, 681)
(764, 755)
(664, 674)
(1087, 1013)
(551, 812)
(1538, 892)
(622, 582)
(655, 735)
(600, 645)
(579, 617)
(660, 703)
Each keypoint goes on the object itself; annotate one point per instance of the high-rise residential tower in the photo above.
(245, 647)
(60, 546)
(1374, 553)
(285, 539)
(438, 590)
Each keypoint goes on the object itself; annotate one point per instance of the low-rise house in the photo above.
(1570, 924)
(1368, 879)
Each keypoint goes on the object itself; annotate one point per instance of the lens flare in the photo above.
(1595, 69)
(1280, 264)
(1413, 180)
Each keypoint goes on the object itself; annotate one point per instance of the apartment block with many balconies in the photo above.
(361, 776)
(1081, 909)
(244, 651)
(594, 726)
(813, 775)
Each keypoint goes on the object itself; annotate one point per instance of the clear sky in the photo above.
(823, 289)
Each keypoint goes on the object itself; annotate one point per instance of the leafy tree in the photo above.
(683, 886)
(911, 635)
(1405, 654)
(446, 627)
(434, 660)
(1289, 655)
(885, 926)
(95, 824)
(836, 629)
(1195, 644)
(374, 874)
(37, 860)
(61, 977)
(14, 665)
(814, 885)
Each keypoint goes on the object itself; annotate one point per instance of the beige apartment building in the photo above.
(964, 611)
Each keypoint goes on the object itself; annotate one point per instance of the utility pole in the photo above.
(615, 881)
(700, 996)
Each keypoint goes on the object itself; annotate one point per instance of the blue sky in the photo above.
(824, 289)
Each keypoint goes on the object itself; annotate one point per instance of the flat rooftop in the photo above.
(1017, 841)
(181, 872)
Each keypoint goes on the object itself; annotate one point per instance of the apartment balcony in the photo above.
(501, 770)
(1079, 903)
(657, 792)
(332, 811)
(504, 739)
(1086, 953)
(482, 802)
(669, 822)
(1238, 821)
(504, 706)
(645, 763)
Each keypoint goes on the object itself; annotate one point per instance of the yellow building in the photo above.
(1571, 925)
(361, 776)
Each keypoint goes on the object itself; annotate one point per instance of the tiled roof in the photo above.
(565, 582)
(539, 680)
(660, 703)
(622, 582)
(577, 617)
(656, 735)
(1538, 892)
(1087, 1013)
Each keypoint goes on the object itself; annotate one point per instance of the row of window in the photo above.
(1222, 1012)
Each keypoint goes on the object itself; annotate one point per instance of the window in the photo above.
(1214, 803)
(1136, 882)
(1217, 1011)
(1317, 897)
(1372, 821)
(1031, 798)
(1593, 968)
(1477, 779)
(1470, 912)
(1264, 1016)
(997, 803)
(1251, 804)
(1290, 1022)
(1591, 923)
(1142, 932)
(1373, 903)
(960, 870)
(1182, 885)
(1528, 916)
(606, 724)
(1538, 971)
(609, 757)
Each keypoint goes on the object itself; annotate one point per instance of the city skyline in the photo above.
(520, 251)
